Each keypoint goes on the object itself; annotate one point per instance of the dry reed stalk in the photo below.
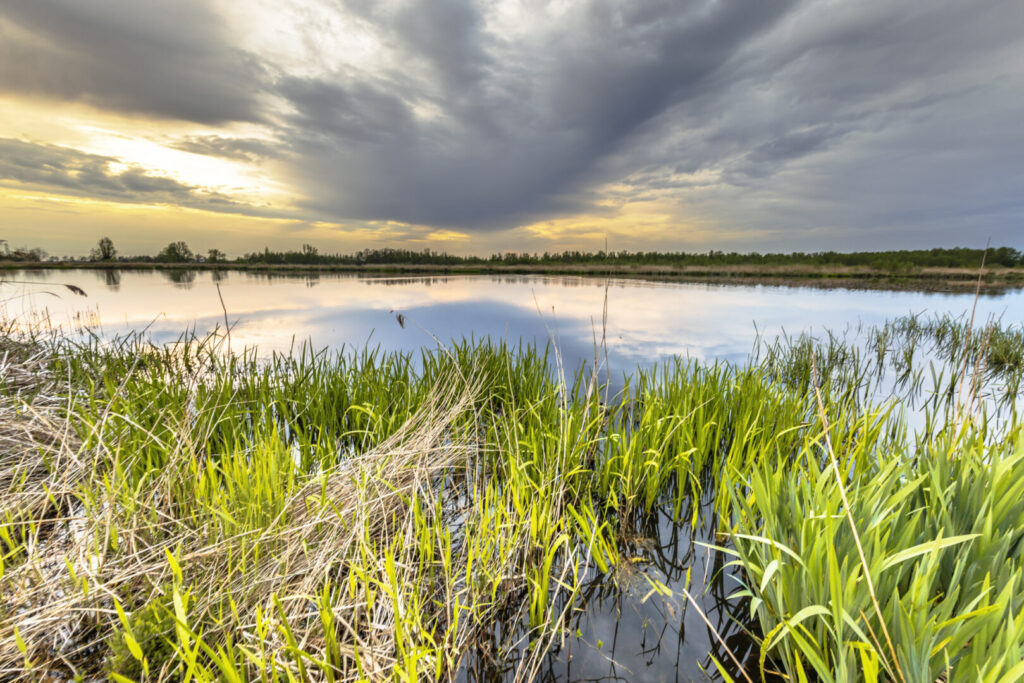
(718, 636)
(853, 526)
(40, 472)
(227, 325)
(978, 371)
(967, 337)
(313, 540)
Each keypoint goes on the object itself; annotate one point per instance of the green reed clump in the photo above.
(180, 512)
(942, 533)
(992, 352)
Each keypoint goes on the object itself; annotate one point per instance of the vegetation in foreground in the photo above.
(182, 513)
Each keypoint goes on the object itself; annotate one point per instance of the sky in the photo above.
(511, 125)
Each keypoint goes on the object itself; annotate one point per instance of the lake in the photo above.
(624, 632)
(647, 322)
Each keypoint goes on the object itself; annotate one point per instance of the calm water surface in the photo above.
(647, 321)
(624, 633)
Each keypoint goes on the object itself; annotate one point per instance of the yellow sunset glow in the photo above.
(639, 223)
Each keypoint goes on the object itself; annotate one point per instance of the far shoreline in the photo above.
(929, 279)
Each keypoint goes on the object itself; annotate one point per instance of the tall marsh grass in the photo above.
(182, 513)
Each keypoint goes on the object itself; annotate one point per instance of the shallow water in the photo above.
(646, 322)
(624, 631)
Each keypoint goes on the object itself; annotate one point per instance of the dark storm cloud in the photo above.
(62, 170)
(522, 121)
(356, 114)
(165, 58)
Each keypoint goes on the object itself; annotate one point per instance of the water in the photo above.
(625, 631)
(647, 322)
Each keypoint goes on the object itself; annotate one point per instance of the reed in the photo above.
(185, 512)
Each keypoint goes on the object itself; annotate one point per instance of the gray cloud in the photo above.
(445, 36)
(852, 125)
(523, 122)
(790, 123)
(236, 149)
(71, 172)
(165, 58)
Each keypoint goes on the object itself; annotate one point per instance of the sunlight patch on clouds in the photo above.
(446, 236)
(638, 224)
(139, 143)
(240, 180)
(306, 39)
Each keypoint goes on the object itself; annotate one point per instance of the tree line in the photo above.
(893, 260)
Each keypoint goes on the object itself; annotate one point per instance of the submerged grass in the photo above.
(183, 513)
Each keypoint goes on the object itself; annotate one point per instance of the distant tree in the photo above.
(104, 250)
(215, 256)
(24, 254)
(176, 252)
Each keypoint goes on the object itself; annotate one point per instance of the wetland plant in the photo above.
(181, 513)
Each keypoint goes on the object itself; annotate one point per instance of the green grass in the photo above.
(179, 513)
